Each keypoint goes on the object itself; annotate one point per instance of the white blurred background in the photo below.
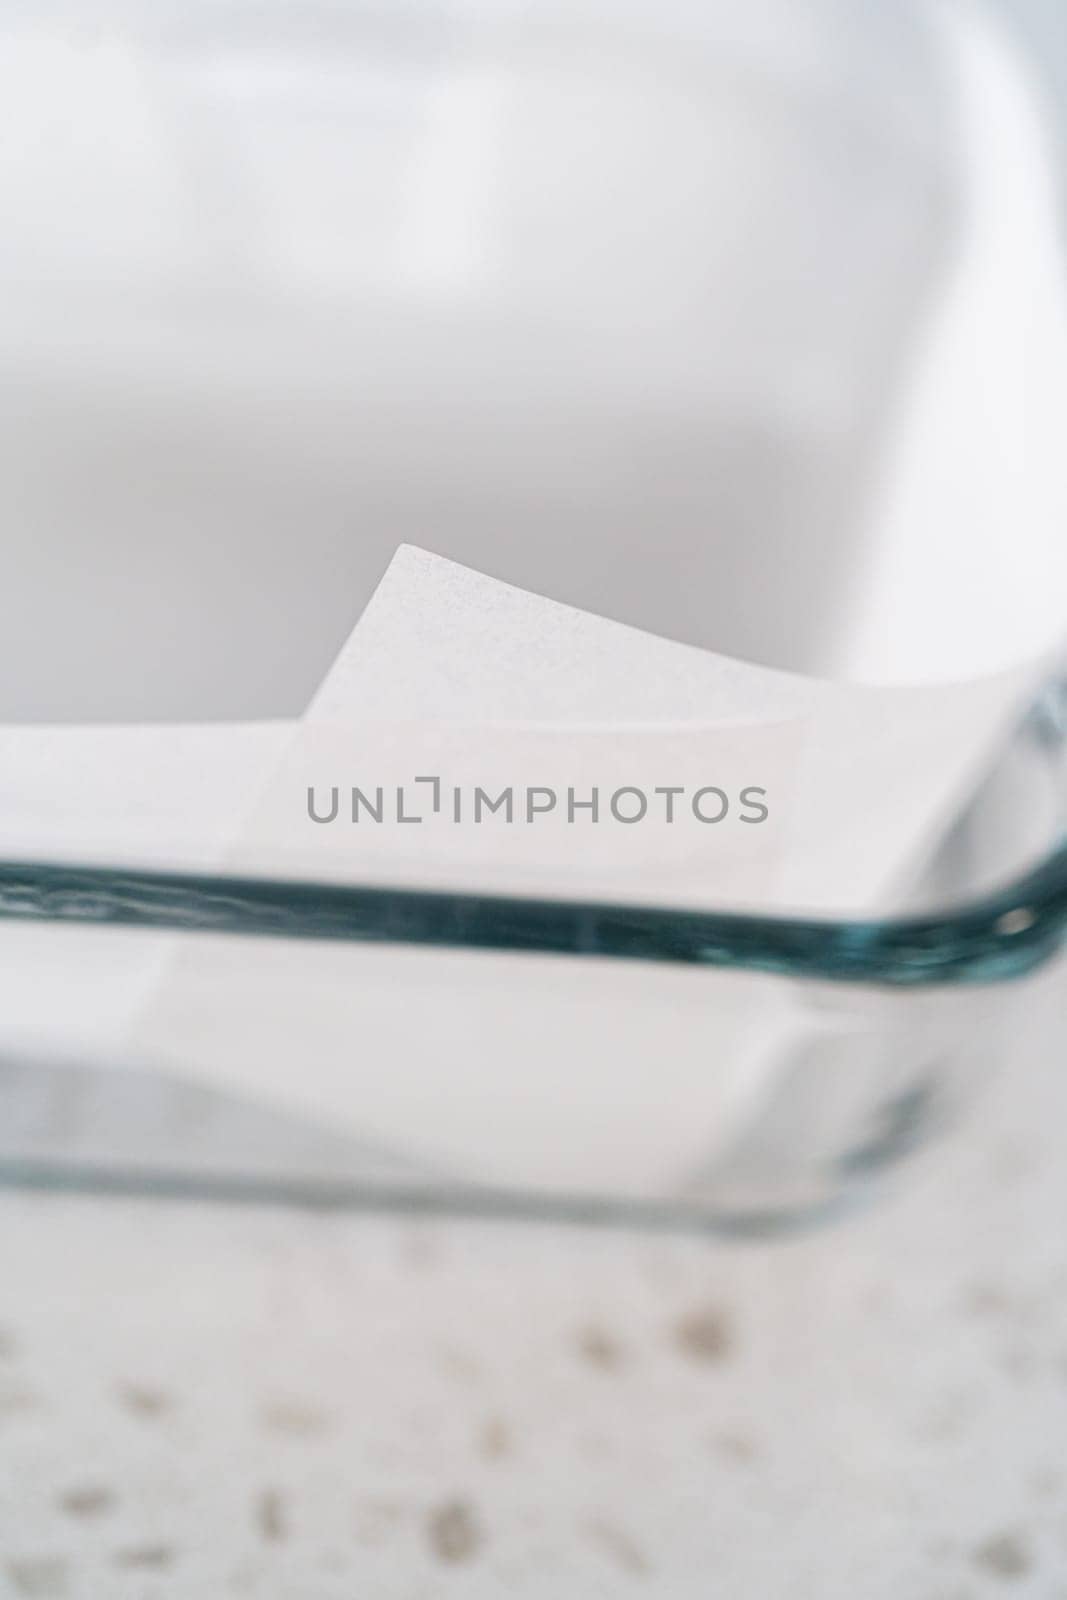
(740, 323)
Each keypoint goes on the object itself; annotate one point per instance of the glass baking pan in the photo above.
(574, 1057)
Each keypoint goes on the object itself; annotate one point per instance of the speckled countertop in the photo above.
(202, 1402)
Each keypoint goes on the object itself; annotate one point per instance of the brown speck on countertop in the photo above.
(16, 1401)
(39, 1579)
(495, 1440)
(600, 1348)
(705, 1335)
(1004, 1555)
(453, 1531)
(985, 1300)
(618, 1544)
(87, 1500)
(142, 1400)
(154, 1557)
(293, 1417)
(737, 1447)
(271, 1518)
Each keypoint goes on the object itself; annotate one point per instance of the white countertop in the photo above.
(199, 1401)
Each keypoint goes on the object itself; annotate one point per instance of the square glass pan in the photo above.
(892, 1021)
